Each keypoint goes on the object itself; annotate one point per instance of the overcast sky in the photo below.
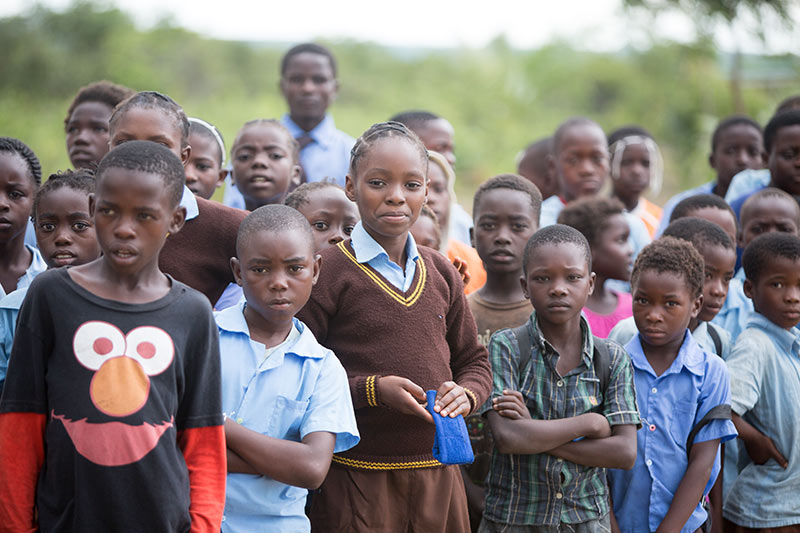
(589, 24)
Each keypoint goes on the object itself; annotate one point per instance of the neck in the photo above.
(661, 357)
(560, 335)
(630, 202)
(267, 333)
(502, 287)
(395, 246)
(720, 189)
(13, 252)
(693, 323)
(307, 123)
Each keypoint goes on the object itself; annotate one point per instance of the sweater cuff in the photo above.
(367, 389)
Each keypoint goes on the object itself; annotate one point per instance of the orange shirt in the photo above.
(650, 214)
(477, 275)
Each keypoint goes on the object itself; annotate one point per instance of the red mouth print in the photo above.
(113, 443)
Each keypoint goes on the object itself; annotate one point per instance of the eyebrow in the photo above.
(75, 214)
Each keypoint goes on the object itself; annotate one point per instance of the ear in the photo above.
(336, 87)
(740, 237)
(697, 305)
(294, 180)
(592, 278)
(523, 282)
(712, 161)
(236, 268)
(178, 219)
(92, 205)
(350, 188)
(747, 286)
(222, 175)
(316, 268)
(186, 153)
(472, 236)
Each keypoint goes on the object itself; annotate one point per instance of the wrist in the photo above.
(372, 390)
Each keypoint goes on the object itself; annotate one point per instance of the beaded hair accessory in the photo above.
(656, 161)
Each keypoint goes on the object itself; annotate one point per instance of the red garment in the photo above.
(477, 274)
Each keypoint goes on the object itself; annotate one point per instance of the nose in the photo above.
(717, 288)
(261, 160)
(653, 315)
(503, 235)
(278, 281)
(82, 136)
(336, 236)
(124, 229)
(190, 177)
(558, 288)
(308, 85)
(450, 156)
(63, 236)
(792, 294)
(395, 195)
(5, 203)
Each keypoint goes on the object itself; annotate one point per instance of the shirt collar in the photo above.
(189, 202)
(786, 339)
(544, 344)
(690, 356)
(366, 248)
(321, 134)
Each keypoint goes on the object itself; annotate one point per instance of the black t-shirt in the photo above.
(117, 382)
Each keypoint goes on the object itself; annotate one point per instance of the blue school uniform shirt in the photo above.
(706, 188)
(297, 388)
(9, 309)
(765, 391)
(36, 267)
(625, 330)
(746, 182)
(670, 406)
(737, 308)
(370, 252)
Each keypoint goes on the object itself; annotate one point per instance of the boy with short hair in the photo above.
(286, 397)
(111, 414)
(565, 412)
(533, 164)
(765, 390)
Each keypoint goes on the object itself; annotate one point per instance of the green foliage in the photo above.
(727, 9)
(499, 99)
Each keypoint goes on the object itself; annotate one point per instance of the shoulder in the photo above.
(13, 300)
(190, 299)
(48, 280)
(624, 331)
(436, 260)
(219, 215)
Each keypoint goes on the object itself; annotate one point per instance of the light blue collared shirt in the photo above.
(670, 406)
(706, 188)
(747, 181)
(736, 310)
(299, 388)
(765, 390)
(9, 309)
(36, 267)
(370, 252)
(625, 330)
(189, 201)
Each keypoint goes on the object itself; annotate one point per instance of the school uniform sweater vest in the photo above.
(426, 334)
(199, 255)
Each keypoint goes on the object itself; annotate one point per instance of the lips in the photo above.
(502, 256)
(279, 302)
(63, 257)
(394, 216)
(559, 305)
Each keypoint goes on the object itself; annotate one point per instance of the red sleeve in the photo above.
(204, 452)
(21, 457)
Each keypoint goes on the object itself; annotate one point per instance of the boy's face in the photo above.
(721, 217)
(438, 136)
(784, 159)
(17, 190)
(149, 124)
(276, 272)
(132, 217)
(438, 193)
(64, 229)
(776, 294)
(309, 86)
(87, 134)
(203, 172)
(634, 172)
(612, 255)
(558, 282)
(581, 161)
(389, 188)
(738, 148)
(766, 215)
(504, 221)
(662, 307)
(263, 165)
(331, 215)
(426, 232)
(720, 263)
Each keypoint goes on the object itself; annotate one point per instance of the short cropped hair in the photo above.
(514, 183)
(769, 192)
(627, 131)
(676, 256)
(700, 232)
(556, 234)
(148, 157)
(729, 122)
(103, 91)
(300, 195)
(273, 218)
(81, 180)
(590, 215)
(788, 103)
(534, 156)
(781, 120)
(312, 48)
(416, 119)
(155, 100)
(15, 146)
(291, 142)
(689, 205)
(765, 248)
(384, 130)
(569, 124)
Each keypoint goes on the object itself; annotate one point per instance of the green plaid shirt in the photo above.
(540, 489)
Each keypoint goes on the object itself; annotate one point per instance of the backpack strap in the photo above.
(715, 338)
(720, 412)
(524, 347)
(602, 363)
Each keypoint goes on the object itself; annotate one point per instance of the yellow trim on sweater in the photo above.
(391, 291)
(372, 465)
(370, 389)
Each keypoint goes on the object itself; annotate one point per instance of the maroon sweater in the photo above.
(427, 335)
(199, 255)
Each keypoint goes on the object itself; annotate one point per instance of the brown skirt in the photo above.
(422, 500)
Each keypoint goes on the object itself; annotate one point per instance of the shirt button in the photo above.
(652, 427)
(559, 495)
(560, 383)
(239, 420)
(654, 390)
(649, 462)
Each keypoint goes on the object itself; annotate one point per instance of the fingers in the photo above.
(451, 400)
(775, 454)
(416, 391)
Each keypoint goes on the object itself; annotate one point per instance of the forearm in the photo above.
(238, 465)
(616, 451)
(527, 436)
(747, 432)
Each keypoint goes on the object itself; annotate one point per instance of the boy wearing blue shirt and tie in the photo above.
(286, 398)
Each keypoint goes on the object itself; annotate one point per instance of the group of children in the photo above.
(169, 363)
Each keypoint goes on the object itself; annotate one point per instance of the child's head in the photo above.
(426, 230)
(309, 83)
(782, 145)
(265, 162)
(506, 213)
(441, 192)
(86, 123)
(790, 103)
(388, 180)
(136, 205)
(435, 132)
(772, 269)
(580, 158)
(667, 290)
(708, 207)
(275, 263)
(766, 211)
(636, 163)
(557, 273)
(151, 116)
(602, 221)
(735, 146)
(205, 171)
(330, 213)
(719, 259)
(64, 228)
(533, 164)
(20, 176)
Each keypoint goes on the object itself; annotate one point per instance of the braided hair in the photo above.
(383, 130)
(15, 146)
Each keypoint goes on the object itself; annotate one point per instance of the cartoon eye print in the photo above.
(96, 342)
(151, 347)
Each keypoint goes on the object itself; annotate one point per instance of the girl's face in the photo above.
(438, 193)
(634, 172)
(331, 214)
(17, 189)
(87, 134)
(264, 168)
(389, 188)
(149, 124)
(612, 253)
(203, 171)
(64, 229)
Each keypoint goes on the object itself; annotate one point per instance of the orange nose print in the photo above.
(120, 387)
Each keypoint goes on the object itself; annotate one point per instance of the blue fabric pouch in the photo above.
(451, 444)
